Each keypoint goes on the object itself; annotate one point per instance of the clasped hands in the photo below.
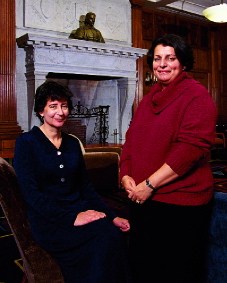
(137, 193)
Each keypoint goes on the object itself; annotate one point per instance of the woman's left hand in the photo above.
(141, 193)
(122, 223)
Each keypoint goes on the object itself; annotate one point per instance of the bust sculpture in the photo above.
(88, 31)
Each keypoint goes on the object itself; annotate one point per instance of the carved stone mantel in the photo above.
(46, 54)
(53, 54)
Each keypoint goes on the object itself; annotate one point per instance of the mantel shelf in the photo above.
(79, 45)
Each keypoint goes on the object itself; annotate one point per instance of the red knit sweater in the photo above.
(174, 126)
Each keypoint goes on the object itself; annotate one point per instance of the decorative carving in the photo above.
(57, 16)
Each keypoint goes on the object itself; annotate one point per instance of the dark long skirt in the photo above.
(92, 253)
(168, 243)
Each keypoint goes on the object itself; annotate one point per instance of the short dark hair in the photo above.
(51, 90)
(184, 52)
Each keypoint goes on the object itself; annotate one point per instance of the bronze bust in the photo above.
(88, 31)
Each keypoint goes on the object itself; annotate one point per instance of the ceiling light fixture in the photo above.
(217, 13)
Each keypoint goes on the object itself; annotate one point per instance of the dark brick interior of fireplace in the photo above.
(75, 127)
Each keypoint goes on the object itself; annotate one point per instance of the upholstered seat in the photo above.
(103, 169)
(38, 265)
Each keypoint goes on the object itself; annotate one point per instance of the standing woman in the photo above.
(66, 215)
(164, 168)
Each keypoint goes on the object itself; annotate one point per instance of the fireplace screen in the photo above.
(101, 129)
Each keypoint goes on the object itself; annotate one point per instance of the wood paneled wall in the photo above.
(9, 128)
(222, 72)
(137, 40)
(207, 39)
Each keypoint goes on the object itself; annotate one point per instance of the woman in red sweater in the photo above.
(164, 169)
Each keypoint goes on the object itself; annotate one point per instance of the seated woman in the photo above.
(66, 215)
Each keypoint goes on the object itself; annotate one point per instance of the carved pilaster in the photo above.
(137, 41)
(9, 128)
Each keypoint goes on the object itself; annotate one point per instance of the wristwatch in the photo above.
(148, 184)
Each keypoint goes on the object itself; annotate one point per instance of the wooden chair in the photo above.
(38, 265)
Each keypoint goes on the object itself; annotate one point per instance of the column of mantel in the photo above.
(9, 128)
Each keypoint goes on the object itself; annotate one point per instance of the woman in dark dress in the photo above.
(67, 216)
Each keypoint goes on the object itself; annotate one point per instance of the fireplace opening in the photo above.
(95, 99)
(74, 125)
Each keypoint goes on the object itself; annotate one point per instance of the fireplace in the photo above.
(98, 74)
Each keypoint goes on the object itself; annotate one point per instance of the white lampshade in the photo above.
(217, 13)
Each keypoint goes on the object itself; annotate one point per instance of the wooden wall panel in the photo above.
(157, 23)
(202, 60)
(201, 77)
(9, 128)
(137, 41)
(209, 44)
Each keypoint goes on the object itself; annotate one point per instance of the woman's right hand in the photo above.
(88, 216)
(128, 184)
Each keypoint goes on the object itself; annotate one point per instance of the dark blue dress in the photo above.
(56, 187)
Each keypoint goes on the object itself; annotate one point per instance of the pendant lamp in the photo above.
(217, 13)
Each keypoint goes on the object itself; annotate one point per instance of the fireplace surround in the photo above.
(107, 70)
